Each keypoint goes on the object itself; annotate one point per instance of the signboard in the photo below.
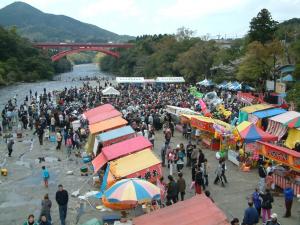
(232, 157)
(201, 125)
(277, 155)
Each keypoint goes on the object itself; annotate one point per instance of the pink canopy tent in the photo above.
(120, 149)
(97, 110)
(104, 116)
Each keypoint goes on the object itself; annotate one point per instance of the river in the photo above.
(69, 79)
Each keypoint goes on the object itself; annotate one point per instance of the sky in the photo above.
(211, 18)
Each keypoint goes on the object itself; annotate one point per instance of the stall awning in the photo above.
(107, 125)
(196, 210)
(109, 135)
(249, 132)
(99, 162)
(133, 163)
(285, 117)
(255, 108)
(104, 116)
(110, 91)
(126, 147)
(97, 110)
(170, 80)
(130, 80)
(269, 112)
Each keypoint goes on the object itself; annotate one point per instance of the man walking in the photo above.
(251, 215)
(262, 177)
(288, 197)
(62, 199)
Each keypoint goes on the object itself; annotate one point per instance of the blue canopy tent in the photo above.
(222, 85)
(235, 86)
(269, 112)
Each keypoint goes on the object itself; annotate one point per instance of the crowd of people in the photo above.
(50, 114)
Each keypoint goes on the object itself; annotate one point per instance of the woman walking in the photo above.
(266, 205)
(46, 208)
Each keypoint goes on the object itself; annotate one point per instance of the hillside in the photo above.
(39, 26)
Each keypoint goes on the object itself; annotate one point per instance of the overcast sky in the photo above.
(137, 17)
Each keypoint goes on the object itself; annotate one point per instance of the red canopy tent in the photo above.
(198, 210)
(97, 110)
(120, 149)
(253, 133)
(103, 116)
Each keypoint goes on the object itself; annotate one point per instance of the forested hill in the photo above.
(39, 26)
(19, 61)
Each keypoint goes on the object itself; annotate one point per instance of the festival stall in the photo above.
(207, 126)
(290, 161)
(277, 124)
(143, 164)
(245, 113)
(104, 116)
(120, 149)
(206, 83)
(176, 112)
(102, 126)
(196, 210)
(106, 125)
(98, 110)
(247, 134)
(115, 136)
(259, 116)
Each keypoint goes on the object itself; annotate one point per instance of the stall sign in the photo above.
(201, 125)
(297, 162)
(278, 155)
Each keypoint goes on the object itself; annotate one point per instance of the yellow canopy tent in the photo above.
(293, 137)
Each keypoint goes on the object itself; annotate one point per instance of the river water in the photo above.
(69, 79)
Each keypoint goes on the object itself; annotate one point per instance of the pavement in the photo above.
(22, 190)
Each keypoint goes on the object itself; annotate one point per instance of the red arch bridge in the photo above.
(71, 48)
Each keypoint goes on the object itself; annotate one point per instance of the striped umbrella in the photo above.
(132, 190)
(293, 122)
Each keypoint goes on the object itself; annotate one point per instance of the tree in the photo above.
(260, 62)
(262, 27)
(293, 96)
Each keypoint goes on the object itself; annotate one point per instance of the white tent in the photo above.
(110, 91)
(170, 80)
(129, 80)
(205, 82)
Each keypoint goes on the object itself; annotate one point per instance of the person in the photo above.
(172, 191)
(45, 175)
(179, 158)
(223, 170)
(189, 150)
(198, 180)
(257, 201)
(44, 221)
(204, 167)
(201, 157)
(250, 215)
(266, 205)
(269, 168)
(288, 197)
(46, 208)
(270, 181)
(40, 133)
(194, 156)
(181, 186)
(59, 140)
(235, 221)
(219, 172)
(273, 220)
(10, 145)
(262, 176)
(62, 198)
(163, 154)
(30, 220)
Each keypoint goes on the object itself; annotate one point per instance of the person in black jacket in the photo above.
(62, 199)
(266, 206)
(262, 176)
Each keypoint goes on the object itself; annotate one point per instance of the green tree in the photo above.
(262, 27)
(260, 61)
(293, 96)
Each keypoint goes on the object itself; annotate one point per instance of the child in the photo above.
(45, 175)
(181, 186)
